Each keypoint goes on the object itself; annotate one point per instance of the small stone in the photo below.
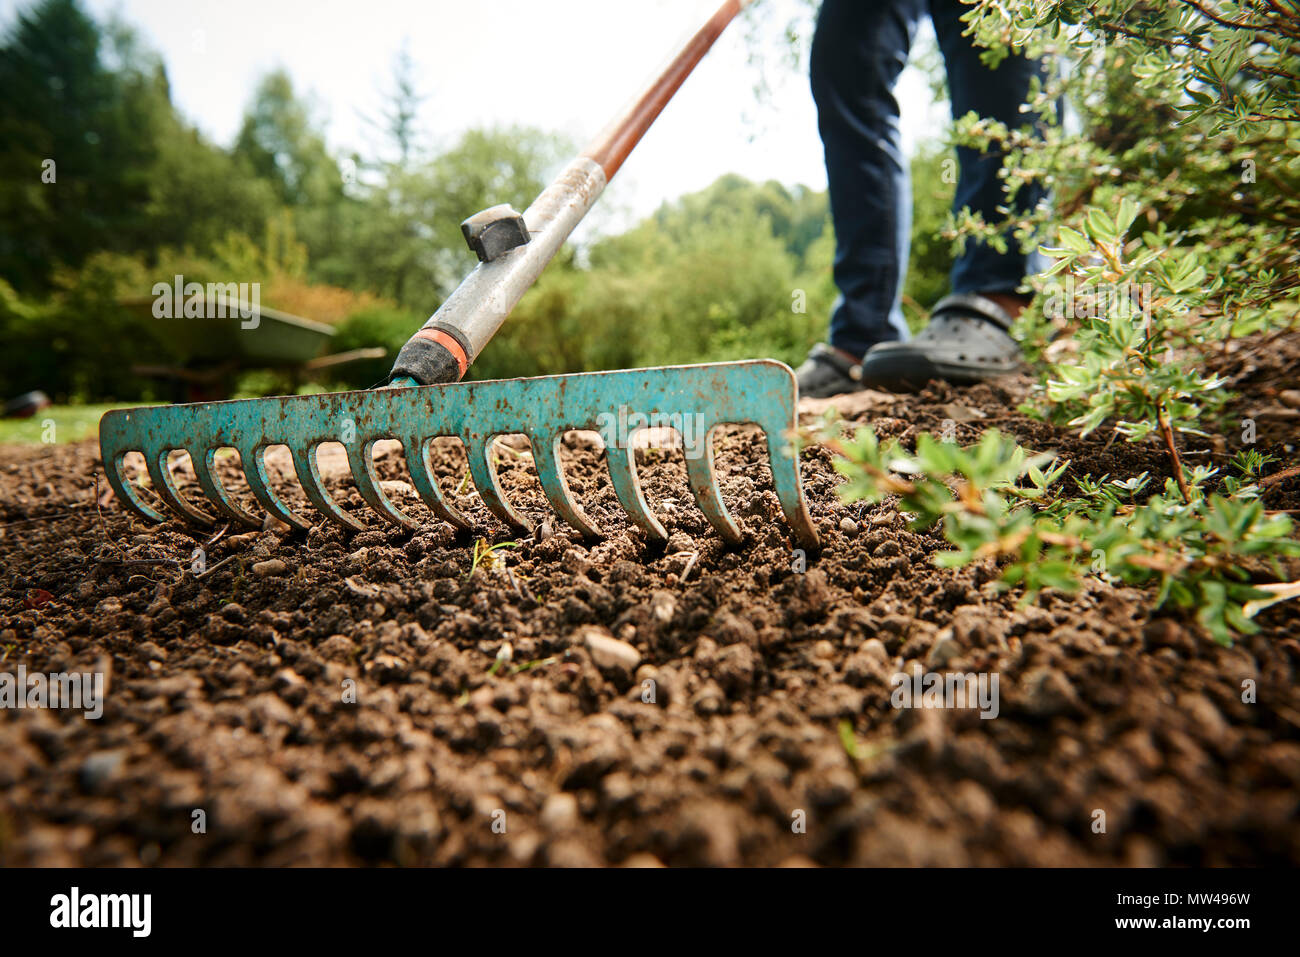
(887, 549)
(1204, 715)
(274, 525)
(560, 812)
(148, 651)
(848, 526)
(234, 613)
(100, 769)
(338, 648)
(876, 649)
(960, 413)
(1290, 397)
(679, 542)
(609, 652)
(1048, 692)
(823, 649)
(663, 606)
(395, 488)
(360, 588)
(574, 562)
(945, 649)
(269, 568)
(708, 700)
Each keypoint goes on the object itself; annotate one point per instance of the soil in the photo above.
(337, 699)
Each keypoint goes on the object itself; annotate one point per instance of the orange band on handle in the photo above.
(450, 344)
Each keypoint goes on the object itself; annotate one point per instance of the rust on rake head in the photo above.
(693, 398)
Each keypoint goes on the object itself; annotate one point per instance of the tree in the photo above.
(95, 158)
(399, 117)
(281, 143)
(76, 142)
(403, 240)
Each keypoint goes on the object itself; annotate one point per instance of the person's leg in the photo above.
(997, 95)
(967, 339)
(858, 51)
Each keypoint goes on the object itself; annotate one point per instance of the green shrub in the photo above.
(1175, 215)
(386, 326)
(996, 501)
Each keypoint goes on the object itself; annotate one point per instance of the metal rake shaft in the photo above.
(694, 398)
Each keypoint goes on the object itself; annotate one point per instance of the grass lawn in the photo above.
(71, 423)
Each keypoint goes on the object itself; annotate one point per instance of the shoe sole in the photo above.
(907, 370)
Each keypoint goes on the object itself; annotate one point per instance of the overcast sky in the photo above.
(563, 65)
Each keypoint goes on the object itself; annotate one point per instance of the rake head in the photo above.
(694, 399)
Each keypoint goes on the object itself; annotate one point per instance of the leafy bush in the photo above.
(381, 325)
(79, 344)
(995, 500)
(1186, 111)
(1190, 110)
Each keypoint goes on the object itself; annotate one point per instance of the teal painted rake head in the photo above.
(425, 399)
(695, 398)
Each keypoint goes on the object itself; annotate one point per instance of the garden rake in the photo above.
(424, 397)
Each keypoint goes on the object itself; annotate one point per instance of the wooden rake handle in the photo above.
(614, 144)
(515, 249)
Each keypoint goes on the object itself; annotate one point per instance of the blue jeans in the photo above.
(858, 51)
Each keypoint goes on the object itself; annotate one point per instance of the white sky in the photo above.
(563, 65)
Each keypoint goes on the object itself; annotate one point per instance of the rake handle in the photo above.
(615, 143)
(445, 346)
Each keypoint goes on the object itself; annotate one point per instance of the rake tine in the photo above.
(361, 458)
(761, 392)
(204, 467)
(622, 473)
(260, 484)
(785, 477)
(699, 471)
(546, 457)
(420, 465)
(308, 469)
(484, 473)
(127, 495)
(166, 490)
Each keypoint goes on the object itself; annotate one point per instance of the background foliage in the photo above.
(371, 243)
(1174, 224)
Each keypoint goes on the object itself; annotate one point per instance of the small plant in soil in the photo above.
(995, 500)
(534, 663)
(486, 556)
(1123, 371)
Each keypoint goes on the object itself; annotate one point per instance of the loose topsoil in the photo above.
(336, 698)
